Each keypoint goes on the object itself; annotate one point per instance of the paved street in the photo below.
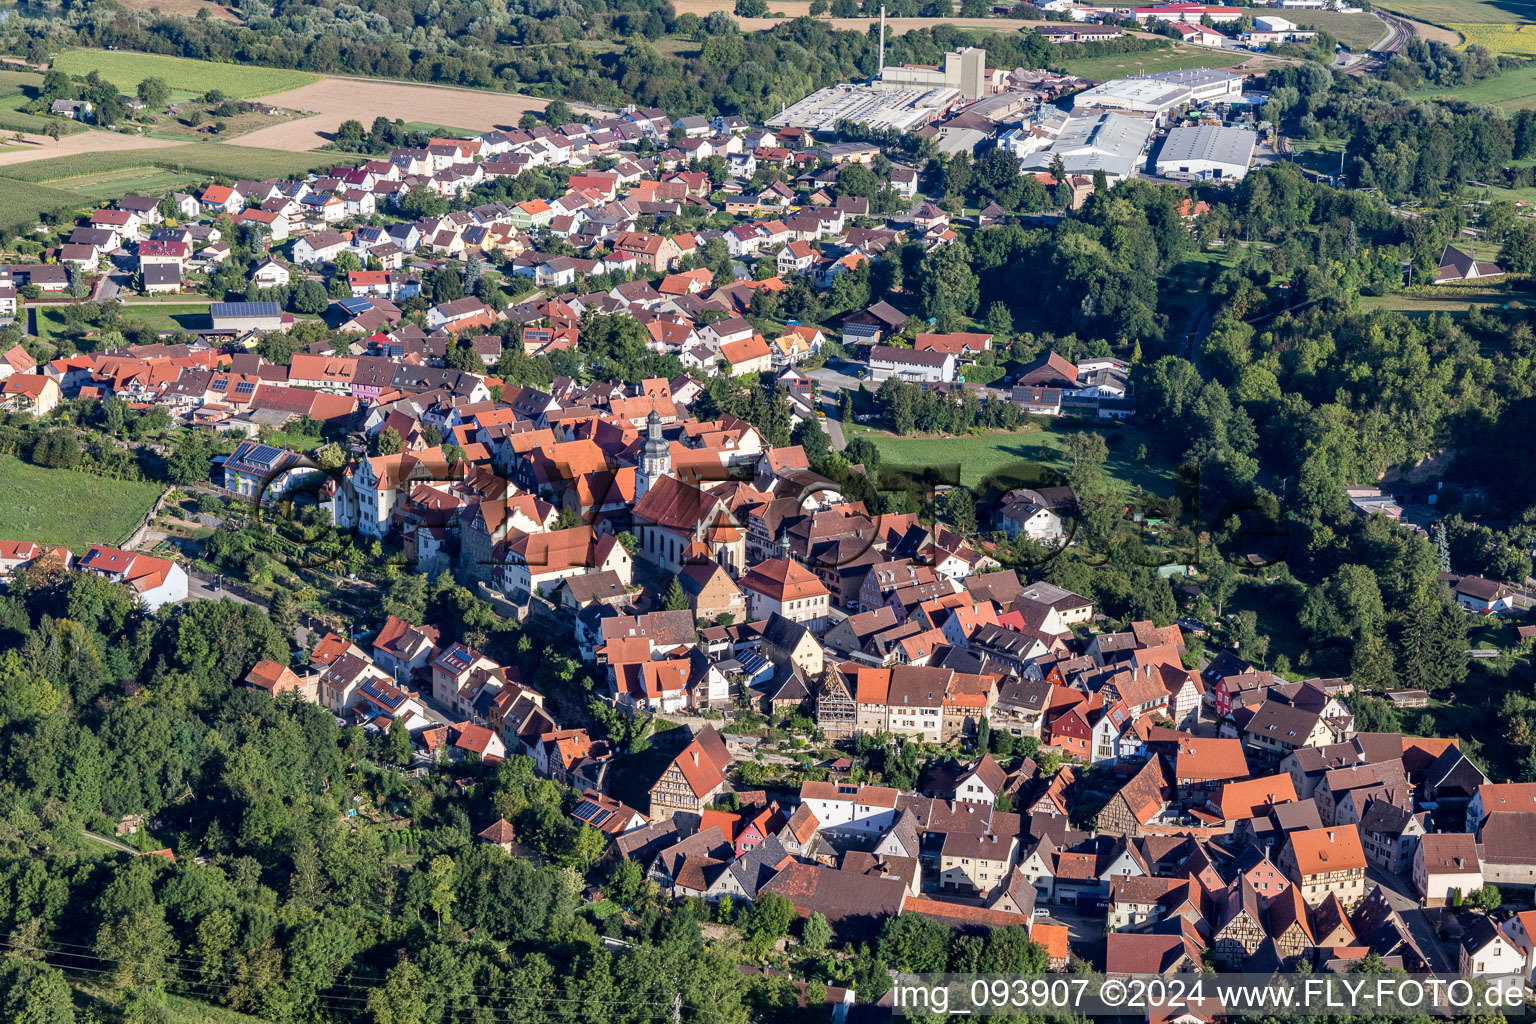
(1406, 902)
(833, 423)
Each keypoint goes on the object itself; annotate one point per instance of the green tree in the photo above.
(1348, 605)
(814, 441)
(397, 743)
(675, 600)
(816, 932)
(1487, 899)
(960, 509)
(32, 992)
(1088, 453)
(768, 921)
(330, 456)
(441, 895)
(189, 461)
(1372, 669)
(948, 289)
(154, 93)
(388, 442)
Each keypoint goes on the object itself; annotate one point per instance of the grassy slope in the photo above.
(59, 506)
(17, 89)
(237, 81)
(979, 456)
(1512, 90)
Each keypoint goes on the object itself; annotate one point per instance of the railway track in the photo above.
(1399, 31)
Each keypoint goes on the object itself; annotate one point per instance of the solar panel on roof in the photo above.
(245, 387)
(355, 306)
(586, 810)
(602, 815)
(263, 455)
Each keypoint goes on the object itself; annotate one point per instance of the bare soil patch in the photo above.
(1435, 33)
(334, 100)
(40, 147)
(186, 8)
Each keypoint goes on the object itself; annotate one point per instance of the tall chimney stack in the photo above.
(882, 38)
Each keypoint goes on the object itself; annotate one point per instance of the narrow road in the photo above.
(110, 842)
(834, 423)
(1195, 329)
(1406, 903)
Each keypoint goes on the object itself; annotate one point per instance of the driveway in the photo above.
(833, 380)
(198, 590)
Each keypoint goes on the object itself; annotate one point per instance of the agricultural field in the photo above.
(1466, 12)
(186, 8)
(1511, 40)
(199, 159)
(1359, 32)
(185, 77)
(1173, 58)
(22, 203)
(70, 508)
(334, 100)
(47, 184)
(113, 185)
(984, 454)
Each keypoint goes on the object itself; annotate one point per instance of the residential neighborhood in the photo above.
(991, 502)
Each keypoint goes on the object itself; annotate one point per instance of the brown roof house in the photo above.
(278, 679)
(499, 833)
(694, 778)
(1326, 861)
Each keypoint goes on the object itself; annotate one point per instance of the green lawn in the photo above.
(70, 508)
(1513, 90)
(1319, 155)
(1183, 288)
(185, 316)
(1173, 58)
(236, 81)
(980, 456)
(114, 184)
